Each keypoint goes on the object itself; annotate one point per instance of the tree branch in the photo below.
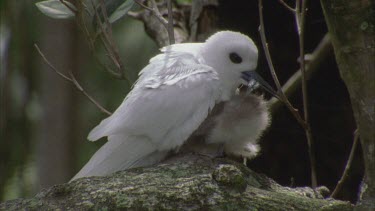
(153, 17)
(154, 11)
(300, 22)
(300, 15)
(272, 69)
(320, 53)
(72, 80)
(186, 182)
(345, 174)
(287, 6)
(107, 40)
(68, 6)
(170, 23)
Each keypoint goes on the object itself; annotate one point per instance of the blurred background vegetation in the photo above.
(44, 120)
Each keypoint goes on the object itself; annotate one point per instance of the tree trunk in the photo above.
(351, 26)
(55, 150)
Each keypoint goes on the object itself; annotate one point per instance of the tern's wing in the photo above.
(185, 53)
(170, 100)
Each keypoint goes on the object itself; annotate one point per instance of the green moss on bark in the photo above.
(187, 182)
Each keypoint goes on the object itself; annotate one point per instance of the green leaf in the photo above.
(121, 10)
(183, 1)
(56, 9)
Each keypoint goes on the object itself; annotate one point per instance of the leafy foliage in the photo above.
(56, 9)
(121, 10)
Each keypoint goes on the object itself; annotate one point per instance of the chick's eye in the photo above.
(235, 58)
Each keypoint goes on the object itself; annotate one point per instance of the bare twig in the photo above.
(82, 25)
(86, 9)
(103, 34)
(72, 80)
(107, 39)
(170, 23)
(300, 15)
(68, 6)
(135, 15)
(143, 5)
(155, 11)
(287, 6)
(345, 174)
(300, 20)
(108, 26)
(91, 41)
(321, 52)
(169, 26)
(273, 72)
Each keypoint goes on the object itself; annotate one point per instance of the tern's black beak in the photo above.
(248, 76)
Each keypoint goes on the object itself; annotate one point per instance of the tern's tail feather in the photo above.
(120, 153)
(101, 130)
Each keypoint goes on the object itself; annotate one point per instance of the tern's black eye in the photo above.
(235, 58)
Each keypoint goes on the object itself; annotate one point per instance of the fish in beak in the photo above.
(251, 76)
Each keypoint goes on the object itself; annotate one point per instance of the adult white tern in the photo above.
(174, 95)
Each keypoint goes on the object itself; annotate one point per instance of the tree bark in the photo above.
(186, 182)
(351, 26)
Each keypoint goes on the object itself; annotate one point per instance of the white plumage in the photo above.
(172, 97)
(240, 124)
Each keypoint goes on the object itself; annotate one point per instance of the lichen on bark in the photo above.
(184, 182)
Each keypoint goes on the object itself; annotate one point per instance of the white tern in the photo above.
(174, 95)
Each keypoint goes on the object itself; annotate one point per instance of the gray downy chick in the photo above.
(233, 127)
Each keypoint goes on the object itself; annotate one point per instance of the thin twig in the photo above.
(287, 6)
(158, 15)
(103, 35)
(49, 64)
(82, 25)
(170, 23)
(91, 42)
(108, 26)
(114, 73)
(143, 5)
(321, 52)
(87, 9)
(72, 80)
(298, 15)
(68, 6)
(345, 174)
(80, 20)
(155, 11)
(109, 38)
(135, 15)
(273, 72)
(300, 21)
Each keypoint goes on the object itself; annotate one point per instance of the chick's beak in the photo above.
(248, 76)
